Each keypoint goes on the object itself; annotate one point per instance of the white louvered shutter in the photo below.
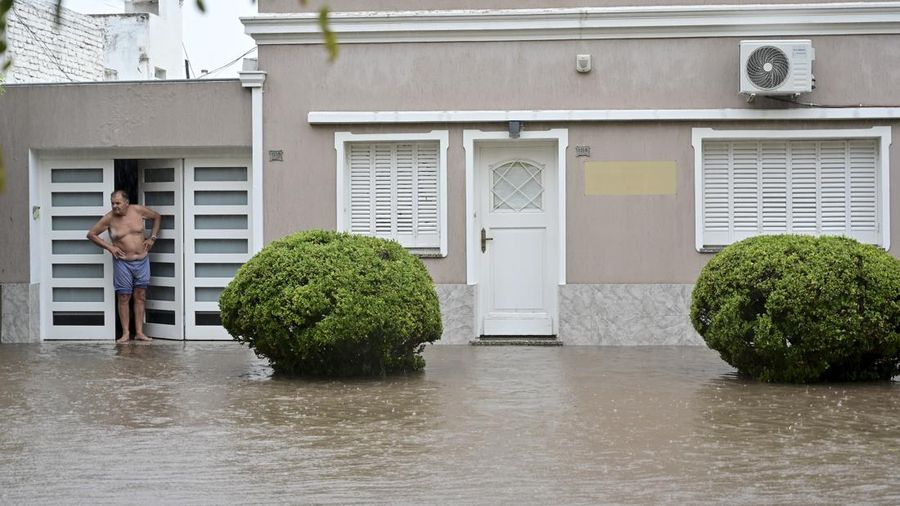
(833, 186)
(383, 174)
(393, 192)
(745, 189)
(864, 208)
(803, 186)
(405, 170)
(360, 167)
(428, 196)
(774, 185)
(717, 192)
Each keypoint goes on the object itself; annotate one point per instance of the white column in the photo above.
(254, 79)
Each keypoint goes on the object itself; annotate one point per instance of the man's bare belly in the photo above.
(134, 256)
(132, 245)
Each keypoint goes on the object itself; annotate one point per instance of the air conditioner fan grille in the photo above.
(767, 67)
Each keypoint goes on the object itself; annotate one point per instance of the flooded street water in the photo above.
(206, 423)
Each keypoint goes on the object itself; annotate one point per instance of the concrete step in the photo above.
(516, 341)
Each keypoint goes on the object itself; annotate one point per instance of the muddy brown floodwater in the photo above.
(207, 423)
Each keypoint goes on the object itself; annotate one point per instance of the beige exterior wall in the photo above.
(628, 74)
(127, 117)
(611, 239)
(406, 5)
(650, 238)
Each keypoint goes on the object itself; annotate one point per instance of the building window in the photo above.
(394, 186)
(824, 182)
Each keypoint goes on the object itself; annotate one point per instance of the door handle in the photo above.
(484, 240)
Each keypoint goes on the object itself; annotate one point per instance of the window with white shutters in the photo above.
(393, 191)
(804, 186)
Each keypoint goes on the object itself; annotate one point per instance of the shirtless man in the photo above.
(131, 265)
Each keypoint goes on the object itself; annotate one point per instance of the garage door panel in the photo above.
(161, 189)
(218, 240)
(76, 300)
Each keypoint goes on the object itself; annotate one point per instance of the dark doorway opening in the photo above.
(127, 179)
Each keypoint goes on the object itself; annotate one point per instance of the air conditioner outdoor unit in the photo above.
(776, 67)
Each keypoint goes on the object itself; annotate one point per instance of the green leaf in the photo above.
(330, 39)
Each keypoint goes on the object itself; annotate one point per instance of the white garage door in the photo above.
(205, 236)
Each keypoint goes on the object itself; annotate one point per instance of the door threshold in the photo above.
(516, 341)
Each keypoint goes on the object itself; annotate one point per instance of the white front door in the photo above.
(77, 296)
(516, 217)
(161, 190)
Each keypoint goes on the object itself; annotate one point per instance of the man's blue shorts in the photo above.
(131, 274)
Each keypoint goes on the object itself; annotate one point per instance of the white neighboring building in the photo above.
(44, 52)
(141, 42)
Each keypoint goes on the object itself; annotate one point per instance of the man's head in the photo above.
(119, 201)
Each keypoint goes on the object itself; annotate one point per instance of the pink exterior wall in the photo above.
(628, 74)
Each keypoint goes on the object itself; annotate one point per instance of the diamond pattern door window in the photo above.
(517, 185)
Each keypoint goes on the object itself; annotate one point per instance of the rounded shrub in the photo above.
(322, 303)
(801, 309)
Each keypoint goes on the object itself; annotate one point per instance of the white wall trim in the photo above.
(470, 138)
(257, 206)
(579, 23)
(146, 152)
(562, 138)
(254, 80)
(442, 136)
(882, 133)
(575, 115)
(35, 232)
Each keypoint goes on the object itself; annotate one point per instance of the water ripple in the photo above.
(203, 423)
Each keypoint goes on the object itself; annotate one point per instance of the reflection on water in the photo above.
(207, 423)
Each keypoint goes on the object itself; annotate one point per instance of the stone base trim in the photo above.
(595, 314)
(592, 314)
(626, 314)
(457, 313)
(19, 313)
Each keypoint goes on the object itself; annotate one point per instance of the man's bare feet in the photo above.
(142, 337)
(123, 339)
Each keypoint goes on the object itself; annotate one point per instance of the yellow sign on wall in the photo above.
(630, 178)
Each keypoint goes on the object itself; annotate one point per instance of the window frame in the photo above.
(881, 134)
(341, 141)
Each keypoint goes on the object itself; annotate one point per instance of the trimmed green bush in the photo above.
(321, 303)
(801, 309)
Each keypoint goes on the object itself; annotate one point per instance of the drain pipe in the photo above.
(253, 78)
